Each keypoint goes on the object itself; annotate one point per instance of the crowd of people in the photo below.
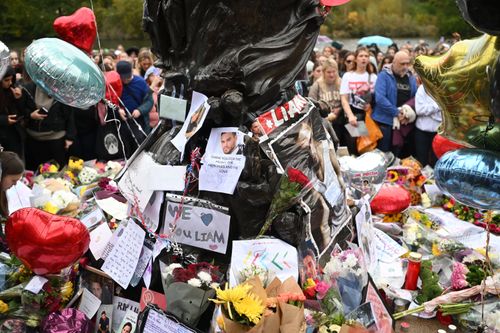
(383, 86)
(39, 128)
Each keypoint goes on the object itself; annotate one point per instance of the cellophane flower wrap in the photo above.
(347, 270)
(294, 185)
(188, 289)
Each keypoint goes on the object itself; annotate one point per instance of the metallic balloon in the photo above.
(366, 173)
(481, 15)
(64, 72)
(484, 136)
(4, 59)
(391, 199)
(471, 176)
(460, 81)
(78, 28)
(442, 145)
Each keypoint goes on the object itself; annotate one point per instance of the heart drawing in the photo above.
(213, 247)
(207, 219)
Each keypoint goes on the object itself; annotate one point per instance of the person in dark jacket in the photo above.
(395, 86)
(12, 133)
(136, 95)
(87, 123)
(50, 127)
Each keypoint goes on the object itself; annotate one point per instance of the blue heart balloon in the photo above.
(64, 72)
(470, 176)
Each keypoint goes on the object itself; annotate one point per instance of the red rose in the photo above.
(310, 292)
(296, 176)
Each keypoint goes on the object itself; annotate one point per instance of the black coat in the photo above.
(11, 136)
(60, 117)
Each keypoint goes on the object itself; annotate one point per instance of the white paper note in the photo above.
(114, 208)
(134, 182)
(99, 238)
(18, 196)
(172, 108)
(122, 260)
(167, 177)
(93, 218)
(89, 304)
(36, 284)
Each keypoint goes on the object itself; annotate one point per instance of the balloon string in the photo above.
(97, 36)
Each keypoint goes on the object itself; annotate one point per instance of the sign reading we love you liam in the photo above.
(198, 226)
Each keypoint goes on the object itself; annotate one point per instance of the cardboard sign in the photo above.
(198, 226)
(274, 255)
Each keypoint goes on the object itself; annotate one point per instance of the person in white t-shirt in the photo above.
(356, 92)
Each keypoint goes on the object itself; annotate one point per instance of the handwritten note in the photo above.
(99, 238)
(198, 226)
(158, 323)
(274, 255)
(122, 260)
(133, 184)
(89, 303)
(221, 173)
(386, 248)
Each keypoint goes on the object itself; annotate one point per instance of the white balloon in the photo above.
(4, 59)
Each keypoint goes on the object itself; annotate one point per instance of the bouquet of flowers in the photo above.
(473, 215)
(468, 273)
(242, 307)
(188, 289)
(292, 188)
(347, 269)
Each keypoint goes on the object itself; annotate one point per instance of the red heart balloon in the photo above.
(442, 145)
(391, 199)
(44, 242)
(114, 87)
(78, 29)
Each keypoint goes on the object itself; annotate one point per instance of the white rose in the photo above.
(171, 267)
(214, 285)
(194, 282)
(205, 277)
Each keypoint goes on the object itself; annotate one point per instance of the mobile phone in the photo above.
(43, 111)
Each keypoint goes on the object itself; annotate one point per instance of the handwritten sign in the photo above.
(387, 249)
(277, 257)
(122, 260)
(198, 226)
(158, 323)
(133, 184)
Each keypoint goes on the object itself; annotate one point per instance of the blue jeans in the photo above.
(385, 144)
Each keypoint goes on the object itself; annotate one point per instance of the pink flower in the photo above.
(458, 276)
(322, 288)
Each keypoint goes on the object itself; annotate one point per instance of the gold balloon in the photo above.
(459, 81)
